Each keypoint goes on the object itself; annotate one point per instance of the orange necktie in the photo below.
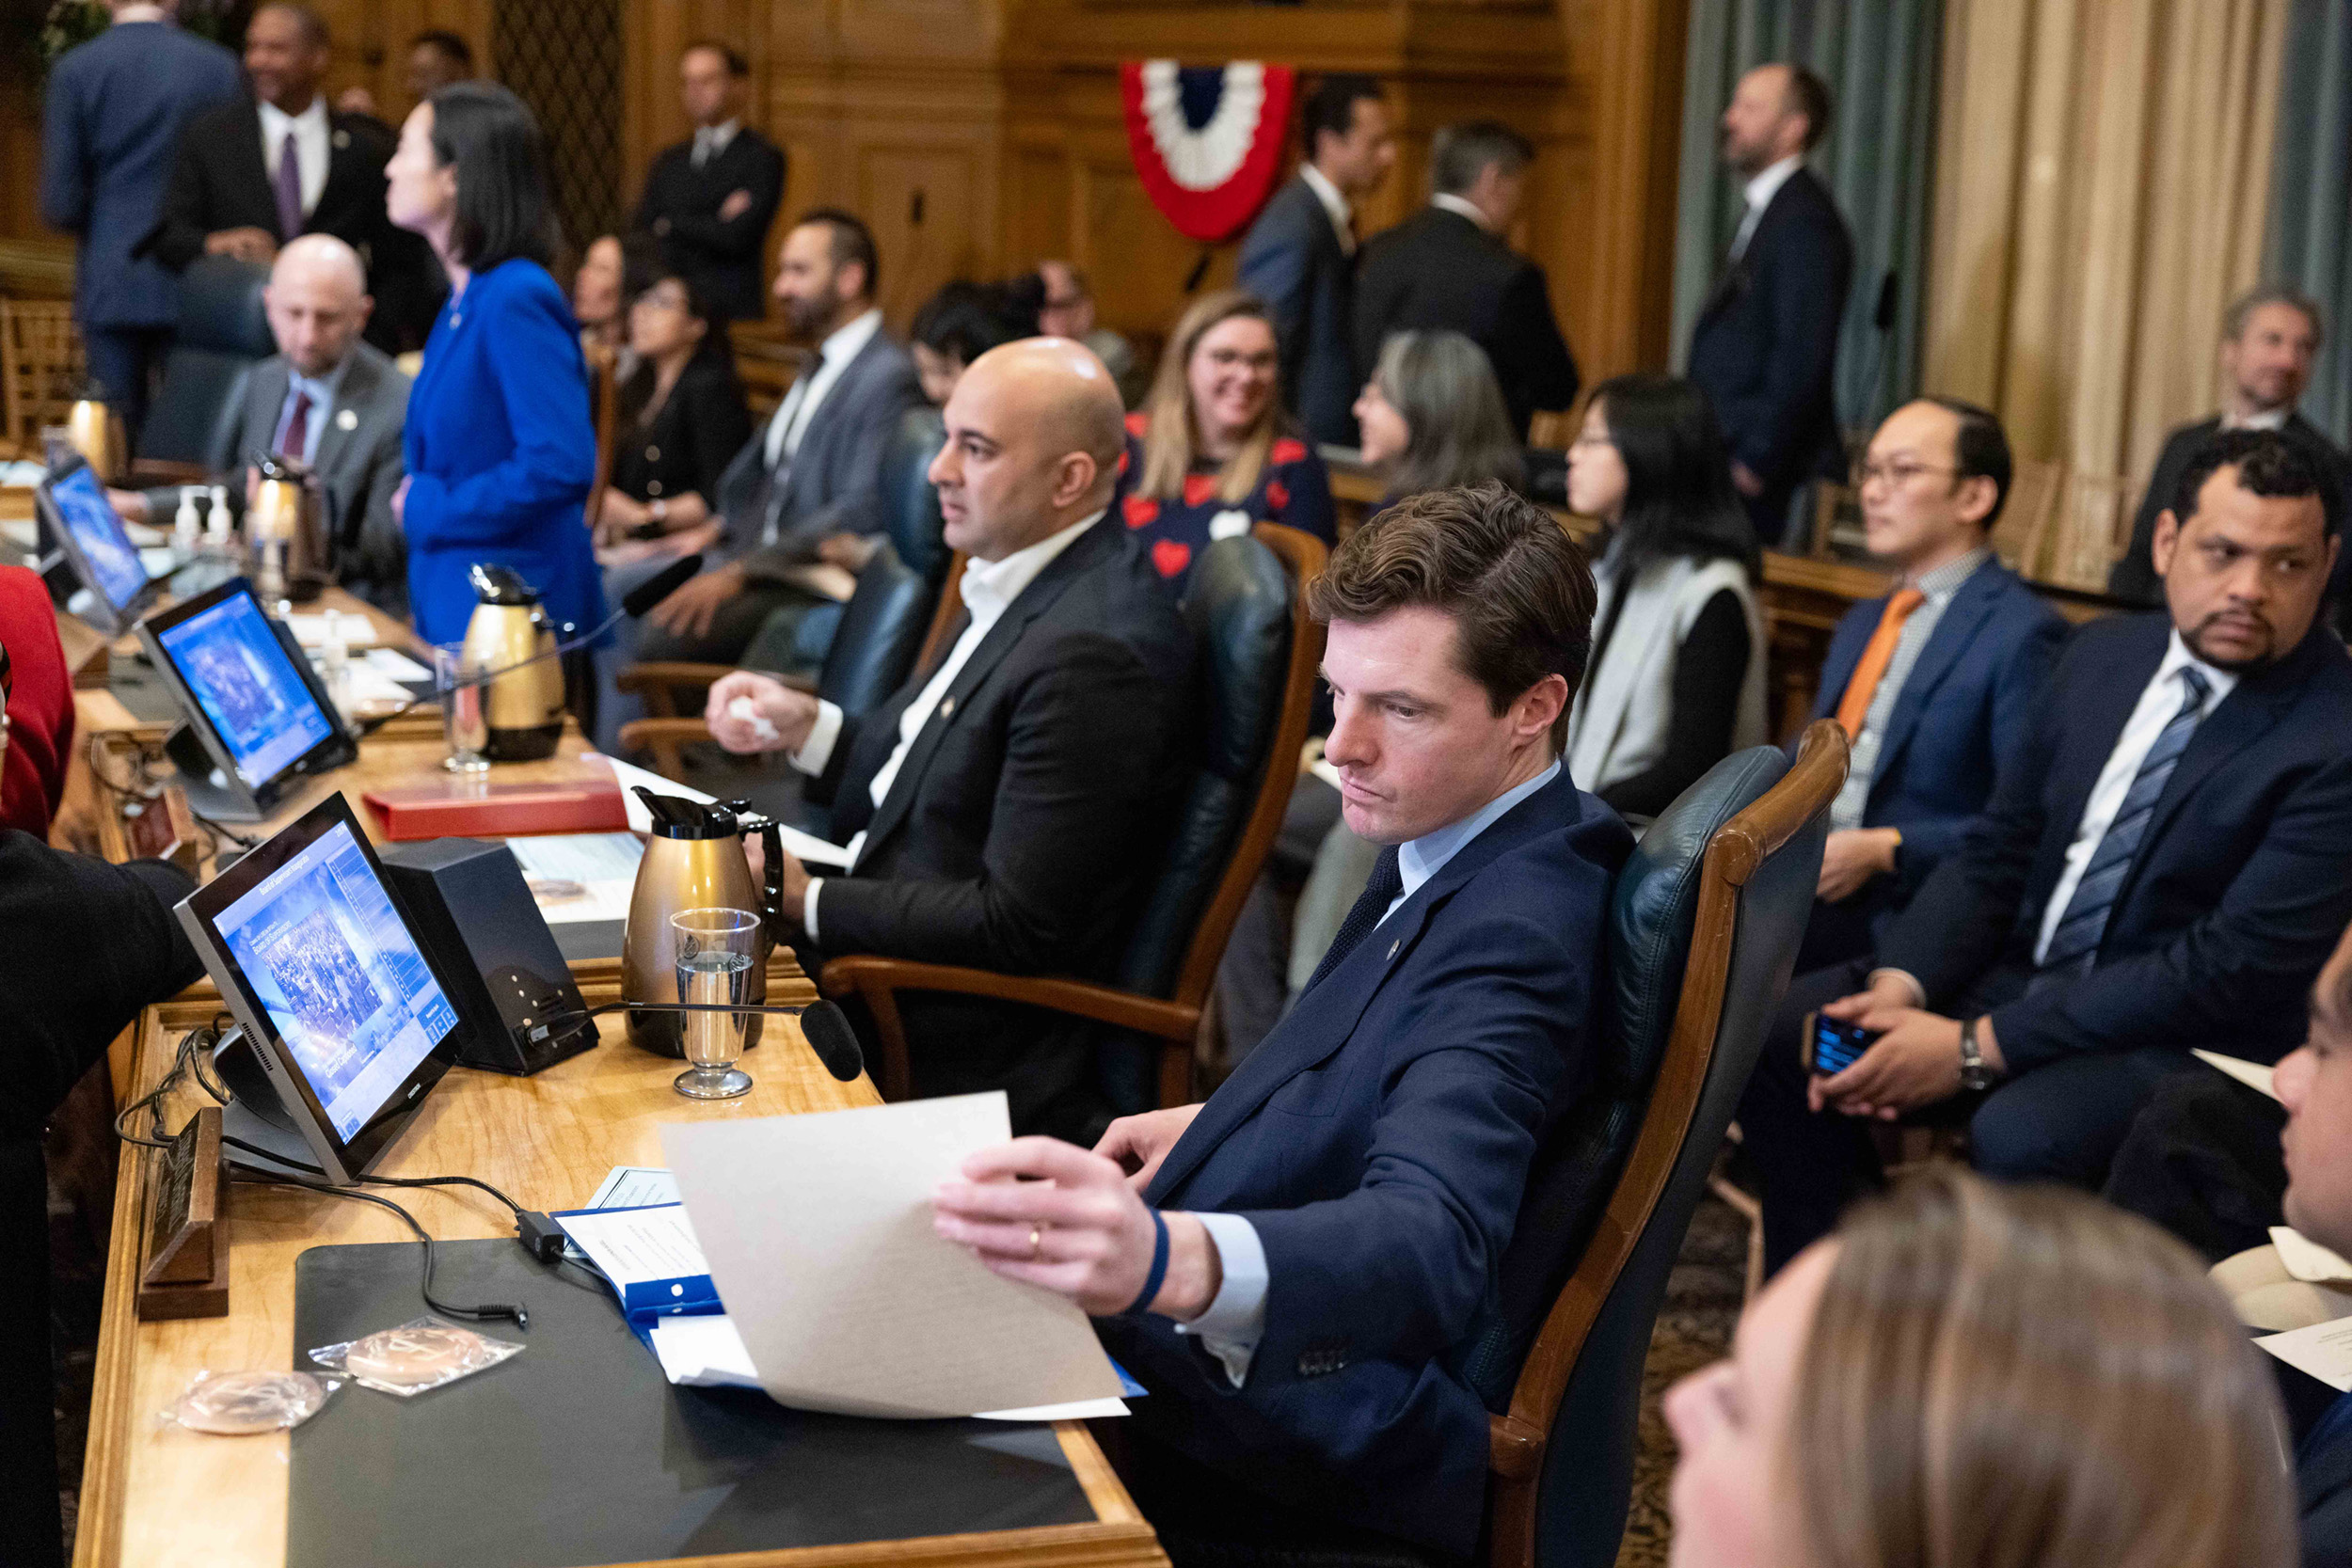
(1855, 704)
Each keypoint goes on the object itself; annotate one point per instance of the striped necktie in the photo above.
(2074, 946)
(1386, 882)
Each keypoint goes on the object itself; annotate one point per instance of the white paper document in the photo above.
(634, 1187)
(806, 848)
(579, 877)
(2323, 1349)
(635, 1245)
(309, 628)
(818, 1229)
(2253, 1074)
(2306, 1260)
(394, 665)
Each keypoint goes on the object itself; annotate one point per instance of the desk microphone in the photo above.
(824, 1025)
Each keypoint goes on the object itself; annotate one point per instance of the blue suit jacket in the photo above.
(1293, 260)
(2324, 1486)
(501, 452)
(1379, 1141)
(2236, 898)
(109, 135)
(1964, 709)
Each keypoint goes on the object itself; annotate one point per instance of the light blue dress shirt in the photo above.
(322, 391)
(1236, 1321)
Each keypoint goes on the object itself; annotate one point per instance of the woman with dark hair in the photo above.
(682, 419)
(1432, 417)
(501, 455)
(1676, 678)
(1209, 454)
(958, 324)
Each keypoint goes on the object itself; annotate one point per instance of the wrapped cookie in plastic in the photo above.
(422, 1354)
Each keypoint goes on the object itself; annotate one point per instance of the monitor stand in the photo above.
(210, 792)
(256, 1116)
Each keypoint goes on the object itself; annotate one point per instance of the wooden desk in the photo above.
(156, 1495)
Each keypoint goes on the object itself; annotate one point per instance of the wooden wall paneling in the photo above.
(1631, 53)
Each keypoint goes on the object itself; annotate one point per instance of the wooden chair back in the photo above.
(42, 368)
(604, 391)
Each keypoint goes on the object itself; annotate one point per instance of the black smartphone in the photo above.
(1832, 1046)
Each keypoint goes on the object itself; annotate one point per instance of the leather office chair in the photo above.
(1704, 926)
(223, 333)
(1248, 603)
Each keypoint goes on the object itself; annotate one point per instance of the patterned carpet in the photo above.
(1693, 1328)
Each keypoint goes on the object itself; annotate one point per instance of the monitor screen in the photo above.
(241, 675)
(98, 534)
(326, 953)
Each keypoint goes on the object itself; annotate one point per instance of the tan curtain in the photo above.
(2102, 170)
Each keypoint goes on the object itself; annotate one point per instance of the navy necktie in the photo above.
(1379, 893)
(2074, 945)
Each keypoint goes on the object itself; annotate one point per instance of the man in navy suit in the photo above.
(1766, 342)
(1299, 257)
(2161, 867)
(1933, 682)
(1295, 1268)
(111, 129)
(709, 200)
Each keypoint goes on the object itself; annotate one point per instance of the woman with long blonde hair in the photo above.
(1971, 1376)
(1210, 454)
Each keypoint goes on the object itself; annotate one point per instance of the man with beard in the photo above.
(815, 470)
(2161, 867)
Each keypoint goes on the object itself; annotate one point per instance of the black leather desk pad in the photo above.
(577, 1451)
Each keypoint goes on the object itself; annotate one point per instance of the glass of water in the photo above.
(458, 683)
(716, 949)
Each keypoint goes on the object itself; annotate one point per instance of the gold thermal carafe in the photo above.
(694, 861)
(284, 531)
(510, 641)
(96, 432)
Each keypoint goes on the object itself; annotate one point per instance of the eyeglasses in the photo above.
(663, 299)
(1228, 359)
(1897, 471)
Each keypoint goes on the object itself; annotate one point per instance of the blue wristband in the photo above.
(1159, 1267)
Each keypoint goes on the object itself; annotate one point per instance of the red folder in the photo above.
(465, 808)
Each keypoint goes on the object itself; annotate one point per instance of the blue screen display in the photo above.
(247, 687)
(84, 509)
(342, 979)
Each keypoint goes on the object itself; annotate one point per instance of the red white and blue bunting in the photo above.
(1207, 139)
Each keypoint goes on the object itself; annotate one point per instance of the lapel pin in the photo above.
(346, 419)
(342, 138)
(947, 706)
(1393, 947)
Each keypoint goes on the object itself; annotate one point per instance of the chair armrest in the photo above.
(1515, 1450)
(666, 673)
(646, 733)
(867, 973)
(166, 470)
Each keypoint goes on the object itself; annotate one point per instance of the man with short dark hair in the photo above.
(1764, 346)
(1934, 682)
(2270, 338)
(1007, 808)
(1299, 256)
(2161, 867)
(710, 199)
(257, 172)
(110, 128)
(1451, 267)
(1066, 309)
(437, 58)
(1297, 1268)
(814, 469)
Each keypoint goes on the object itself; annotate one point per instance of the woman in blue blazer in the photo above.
(501, 452)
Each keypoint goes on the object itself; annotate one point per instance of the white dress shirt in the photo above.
(711, 140)
(1759, 194)
(322, 391)
(2269, 418)
(800, 404)
(989, 589)
(1342, 216)
(1236, 1321)
(1462, 206)
(310, 136)
(2158, 702)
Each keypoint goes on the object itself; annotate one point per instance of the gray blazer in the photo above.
(359, 466)
(109, 135)
(835, 483)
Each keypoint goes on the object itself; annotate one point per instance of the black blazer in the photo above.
(1765, 344)
(2134, 576)
(1293, 260)
(1021, 831)
(2323, 1483)
(1379, 1142)
(1439, 269)
(681, 207)
(691, 438)
(221, 182)
(2238, 893)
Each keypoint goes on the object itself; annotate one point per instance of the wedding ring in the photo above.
(1037, 1240)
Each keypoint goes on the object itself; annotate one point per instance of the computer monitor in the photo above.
(260, 716)
(341, 1005)
(83, 521)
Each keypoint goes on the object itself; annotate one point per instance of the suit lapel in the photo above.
(247, 163)
(359, 386)
(1034, 601)
(1327, 1013)
(1960, 622)
(266, 403)
(2120, 688)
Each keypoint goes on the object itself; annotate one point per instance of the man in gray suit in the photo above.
(111, 130)
(813, 473)
(327, 400)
